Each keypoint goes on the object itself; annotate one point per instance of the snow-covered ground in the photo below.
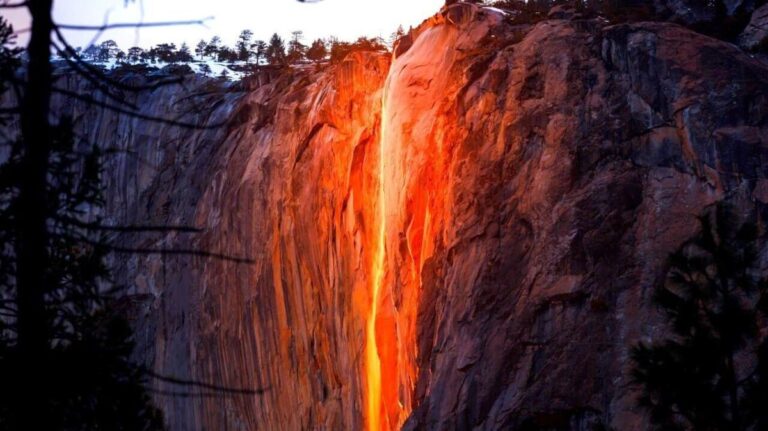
(217, 67)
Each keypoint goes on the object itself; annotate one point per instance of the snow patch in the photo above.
(216, 67)
(495, 10)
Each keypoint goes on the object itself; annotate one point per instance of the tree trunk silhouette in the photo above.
(32, 241)
(733, 393)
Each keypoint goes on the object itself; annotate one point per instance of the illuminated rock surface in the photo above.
(534, 180)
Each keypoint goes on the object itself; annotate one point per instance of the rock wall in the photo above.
(284, 183)
(510, 192)
(538, 185)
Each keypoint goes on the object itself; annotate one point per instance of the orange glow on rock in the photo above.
(406, 210)
(408, 218)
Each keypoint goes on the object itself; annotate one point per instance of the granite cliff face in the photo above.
(492, 206)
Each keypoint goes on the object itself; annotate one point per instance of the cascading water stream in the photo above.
(372, 359)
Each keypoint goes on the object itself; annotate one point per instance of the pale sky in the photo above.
(345, 19)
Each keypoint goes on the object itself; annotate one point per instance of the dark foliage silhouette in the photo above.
(9, 63)
(65, 346)
(709, 373)
(85, 377)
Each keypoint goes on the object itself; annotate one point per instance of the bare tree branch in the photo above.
(103, 27)
(180, 394)
(199, 384)
(176, 251)
(129, 228)
(92, 101)
(13, 5)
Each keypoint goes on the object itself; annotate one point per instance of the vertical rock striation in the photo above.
(509, 192)
(282, 172)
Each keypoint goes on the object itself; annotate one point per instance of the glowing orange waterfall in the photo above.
(372, 359)
(390, 346)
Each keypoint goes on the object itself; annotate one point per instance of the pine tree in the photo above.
(200, 49)
(212, 49)
(135, 54)
(165, 52)
(243, 45)
(90, 380)
(259, 50)
(317, 51)
(9, 60)
(91, 52)
(184, 55)
(65, 353)
(296, 49)
(227, 54)
(710, 372)
(276, 50)
(107, 50)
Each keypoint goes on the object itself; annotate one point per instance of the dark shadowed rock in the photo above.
(561, 12)
(756, 32)
(579, 158)
(689, 12)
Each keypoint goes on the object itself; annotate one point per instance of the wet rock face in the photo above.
(530, 188)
